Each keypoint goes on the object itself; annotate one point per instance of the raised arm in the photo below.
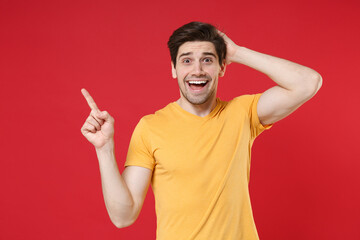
(296, 84)
(123, 194)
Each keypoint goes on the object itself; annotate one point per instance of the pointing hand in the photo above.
(99, 126)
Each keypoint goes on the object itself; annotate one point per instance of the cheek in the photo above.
(213, 74)
(213, 71)
(181, 74)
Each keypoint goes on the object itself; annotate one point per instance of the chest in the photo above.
(186, 149)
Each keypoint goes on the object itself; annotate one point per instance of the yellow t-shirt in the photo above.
(201, 168)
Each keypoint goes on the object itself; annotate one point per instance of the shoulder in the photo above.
(159, 117)
(244, 101)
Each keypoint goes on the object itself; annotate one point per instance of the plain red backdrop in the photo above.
(305, 170)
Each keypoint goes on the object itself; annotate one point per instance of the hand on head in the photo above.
(231, 47)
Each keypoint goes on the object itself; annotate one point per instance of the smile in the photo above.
(197, 85)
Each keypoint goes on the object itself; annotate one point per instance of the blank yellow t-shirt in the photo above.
(201, 168)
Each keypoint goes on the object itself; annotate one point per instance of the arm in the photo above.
(124, 195)
(296, 84)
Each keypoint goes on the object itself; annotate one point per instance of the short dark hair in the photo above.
(196, 31)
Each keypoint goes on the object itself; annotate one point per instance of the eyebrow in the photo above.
(190, 53)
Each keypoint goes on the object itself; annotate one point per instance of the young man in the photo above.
(196, 151)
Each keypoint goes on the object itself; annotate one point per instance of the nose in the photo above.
(198, 69)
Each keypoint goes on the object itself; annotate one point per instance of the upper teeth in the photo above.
(197, 82)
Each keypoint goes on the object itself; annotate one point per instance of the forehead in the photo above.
(197, 47)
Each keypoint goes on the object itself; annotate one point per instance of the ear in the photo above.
(173, 70)
(222, 69)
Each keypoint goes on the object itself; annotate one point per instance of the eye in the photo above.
(186, 60)
(208, 60)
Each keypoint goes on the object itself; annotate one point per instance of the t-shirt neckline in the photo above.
(210, 115)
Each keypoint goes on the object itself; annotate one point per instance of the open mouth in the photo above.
(197, 85)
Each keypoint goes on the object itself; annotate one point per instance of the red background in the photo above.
(305, 170)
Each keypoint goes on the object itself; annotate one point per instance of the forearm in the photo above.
(288, 75)
(117, 197)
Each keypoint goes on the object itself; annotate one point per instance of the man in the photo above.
(196, 151)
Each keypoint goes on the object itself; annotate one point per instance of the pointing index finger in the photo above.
(89, 99)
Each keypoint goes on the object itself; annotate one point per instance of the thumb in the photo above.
(104, 115)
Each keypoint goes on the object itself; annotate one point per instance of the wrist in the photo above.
(107, 147)
(238, 54)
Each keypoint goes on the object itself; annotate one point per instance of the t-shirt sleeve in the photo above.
(255, 124)
(139, 152)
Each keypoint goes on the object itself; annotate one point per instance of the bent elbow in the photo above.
(122, 224)
(312, 86)
(122, 217)
(317, 82)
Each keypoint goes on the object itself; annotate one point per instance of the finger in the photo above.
(96, 114)
(89, 99)
(86, 128)
(93, 122)
(220, 32)
(104, 115)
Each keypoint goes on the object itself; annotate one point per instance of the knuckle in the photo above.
(89, 126)
(92, 113)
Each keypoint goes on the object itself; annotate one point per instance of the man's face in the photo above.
(197, 71)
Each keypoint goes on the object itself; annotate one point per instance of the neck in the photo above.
(200, 110)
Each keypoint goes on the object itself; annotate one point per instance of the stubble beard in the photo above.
(197, 100)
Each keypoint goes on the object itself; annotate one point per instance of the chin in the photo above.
(198, 101)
